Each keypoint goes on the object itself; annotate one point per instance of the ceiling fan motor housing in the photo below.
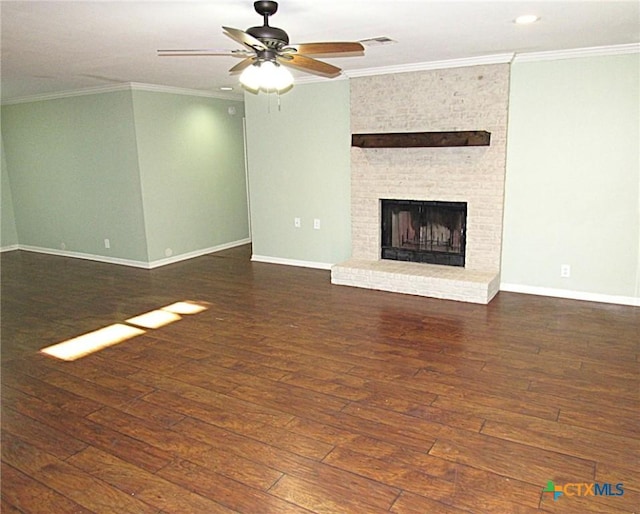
(271, 37)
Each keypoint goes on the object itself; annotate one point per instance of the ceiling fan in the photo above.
(266, 51)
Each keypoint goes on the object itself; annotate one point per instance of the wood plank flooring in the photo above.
(290, 395)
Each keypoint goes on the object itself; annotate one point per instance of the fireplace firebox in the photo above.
(430, 232)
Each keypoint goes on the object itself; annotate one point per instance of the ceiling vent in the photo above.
(378, 41)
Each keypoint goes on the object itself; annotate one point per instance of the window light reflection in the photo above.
(86, 344)
(154, 319)
(83, 345)
(185, 308)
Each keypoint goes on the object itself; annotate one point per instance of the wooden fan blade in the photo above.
(310, 65)
(202, 52)
(335, 49)
(245, 63)
(243, 38)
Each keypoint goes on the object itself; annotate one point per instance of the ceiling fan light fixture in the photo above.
(267, 76)
(250, 78)
(275, 77)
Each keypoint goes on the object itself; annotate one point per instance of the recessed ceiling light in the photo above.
(226, 88)
(526, 19)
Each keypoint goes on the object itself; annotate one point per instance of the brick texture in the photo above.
(445, 282)
(469, 98)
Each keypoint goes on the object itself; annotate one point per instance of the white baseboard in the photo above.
(571, 295)
(130, 262)
(512, 288)
(85, 256)
(291, 262)
(197, 253)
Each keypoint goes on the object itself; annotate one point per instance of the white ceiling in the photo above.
(55, 46)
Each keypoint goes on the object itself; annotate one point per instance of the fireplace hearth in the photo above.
(431, 232)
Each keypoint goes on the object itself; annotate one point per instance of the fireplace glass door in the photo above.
(422, 231)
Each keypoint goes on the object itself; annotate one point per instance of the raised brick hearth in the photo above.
(431, 280)
(470, 98)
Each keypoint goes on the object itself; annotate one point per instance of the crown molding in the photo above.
(494, 59)
(154, 88)
(433, 65)
(68, 94)
(314, 79)
(595, 51)
(128, 86)
(504, 58)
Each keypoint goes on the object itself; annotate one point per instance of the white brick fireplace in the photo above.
(469, 98)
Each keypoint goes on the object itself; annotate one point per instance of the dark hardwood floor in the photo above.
(290, 395)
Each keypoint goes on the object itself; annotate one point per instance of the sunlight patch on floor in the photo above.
(154, 319)
(86, 344)
(185, 307)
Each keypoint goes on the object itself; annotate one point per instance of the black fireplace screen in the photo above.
(429, 232)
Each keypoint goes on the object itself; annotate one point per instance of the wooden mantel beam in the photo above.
(422, 139)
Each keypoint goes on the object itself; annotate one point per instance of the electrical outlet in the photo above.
(565, 271)
(107, 243)
(316, 224)
(297, 223)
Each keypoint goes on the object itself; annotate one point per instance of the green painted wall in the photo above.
(573, 179)
(191, 158)
(8, 233)
(73, 167)
(152, 171)
(149, 171)
(299, 166)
